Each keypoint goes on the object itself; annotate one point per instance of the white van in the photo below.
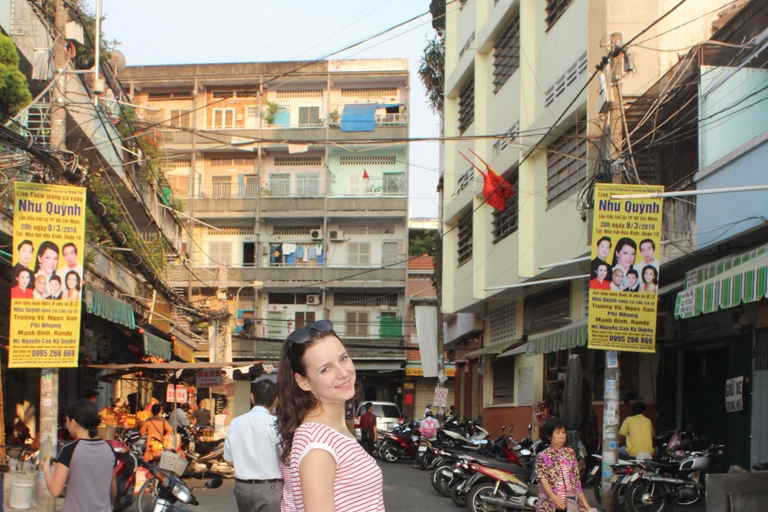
(387, 415)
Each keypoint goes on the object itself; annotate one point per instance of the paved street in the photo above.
(405, 490)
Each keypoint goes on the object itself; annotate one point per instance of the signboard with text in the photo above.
(441, 397)
(624, 271)
(734, 392)
(47, 275)
(208, 378)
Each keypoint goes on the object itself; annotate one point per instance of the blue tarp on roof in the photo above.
(359, 117)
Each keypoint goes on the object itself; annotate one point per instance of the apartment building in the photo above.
(295, 175)
(515, 72)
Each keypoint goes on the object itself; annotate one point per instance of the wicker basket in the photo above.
(173, 462)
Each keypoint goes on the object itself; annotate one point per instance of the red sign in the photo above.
(176, 394)
(208, 377)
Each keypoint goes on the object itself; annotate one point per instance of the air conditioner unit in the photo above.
(316, 234)
(313, 300)
(336, 235)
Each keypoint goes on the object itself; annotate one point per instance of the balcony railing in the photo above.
(392, 186)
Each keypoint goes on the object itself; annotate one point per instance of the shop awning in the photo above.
(156, 346)
(174, 371)
(521, 349)
(570, 336)
(493, 348)
(359, 117)
(727, 283)
(109, 308)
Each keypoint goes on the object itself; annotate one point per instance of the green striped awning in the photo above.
(744, 282)
(158, 347)
(109, 308)
(570, 336)
(706, 272)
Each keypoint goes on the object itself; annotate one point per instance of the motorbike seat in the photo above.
(506, 466)
(665, 467)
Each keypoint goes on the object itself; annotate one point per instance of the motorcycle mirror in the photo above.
(525, 452)
(503, 428)
(214, 483)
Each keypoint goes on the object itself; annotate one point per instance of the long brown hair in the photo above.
(293, 403)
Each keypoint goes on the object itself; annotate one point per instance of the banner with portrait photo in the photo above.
(47, 276)
(624, 271)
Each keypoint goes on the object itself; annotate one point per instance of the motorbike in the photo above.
(498, 491)
(471, 438)
(125, 448)
(401, 443)
(167, 492)
(660, 484)
(204, 456)
(482, 471)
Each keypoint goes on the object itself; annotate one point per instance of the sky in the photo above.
(206, 31)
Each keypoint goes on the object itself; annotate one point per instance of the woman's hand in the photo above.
(558, 502)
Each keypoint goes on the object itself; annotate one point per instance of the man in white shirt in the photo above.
(251, 447)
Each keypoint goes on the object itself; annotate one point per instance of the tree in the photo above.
(421, 245)
(14, 91)
(432, 73)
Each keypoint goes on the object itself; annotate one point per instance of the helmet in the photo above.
(429, 414)
(429, 405)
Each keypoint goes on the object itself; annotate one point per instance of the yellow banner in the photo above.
(47, 280)
(624, 273)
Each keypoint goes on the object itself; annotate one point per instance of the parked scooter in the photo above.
(167, 492)
(401, 443)
(497, 490)
(470, 438)
(663, 483)
(126, 449)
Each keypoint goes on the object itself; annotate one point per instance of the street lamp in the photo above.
(256, 285)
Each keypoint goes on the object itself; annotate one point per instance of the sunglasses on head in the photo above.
(304, 334)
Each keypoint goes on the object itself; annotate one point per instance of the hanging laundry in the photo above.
(300, 251)
(289, 248)
(312, 252)
(275, 254)
(304, 254)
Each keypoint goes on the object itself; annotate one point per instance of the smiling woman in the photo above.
(324, 466)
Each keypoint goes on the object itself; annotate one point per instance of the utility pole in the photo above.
(612, 138)
(49, 377)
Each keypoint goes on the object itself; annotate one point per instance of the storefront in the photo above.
(719, 366)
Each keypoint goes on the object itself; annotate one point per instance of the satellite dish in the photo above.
(118, 59)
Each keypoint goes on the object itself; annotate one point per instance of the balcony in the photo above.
(287, 276)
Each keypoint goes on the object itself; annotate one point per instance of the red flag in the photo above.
(365, 174)
(496, 189)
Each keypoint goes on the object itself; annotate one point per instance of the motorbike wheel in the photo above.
(426, 460)
(645, 496)
(619, 494)
(147, 494)
(476, 504)
(440, 481)
(389, 452)
(458, 497)
(598, 492)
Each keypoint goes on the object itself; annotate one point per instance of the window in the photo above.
(307, 184)
(505, 223)
(309, 115)
(219, 253)
(223, 118)
(465, 239)
(555, 9)
(390, 325)
(504, 380)
(277, 327)
(222, 186)
(506, 54)
(391, 255)
(280, 184)
(359, 253)
(251, 182)
(303, 318)
(365, 300)
(394, 183)
(292, 160)
(467, 105)
(357, 323)
(229, 161)
(567, 164)
(503, 323)
(180, 118)
(367, 160)
(249, 254)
